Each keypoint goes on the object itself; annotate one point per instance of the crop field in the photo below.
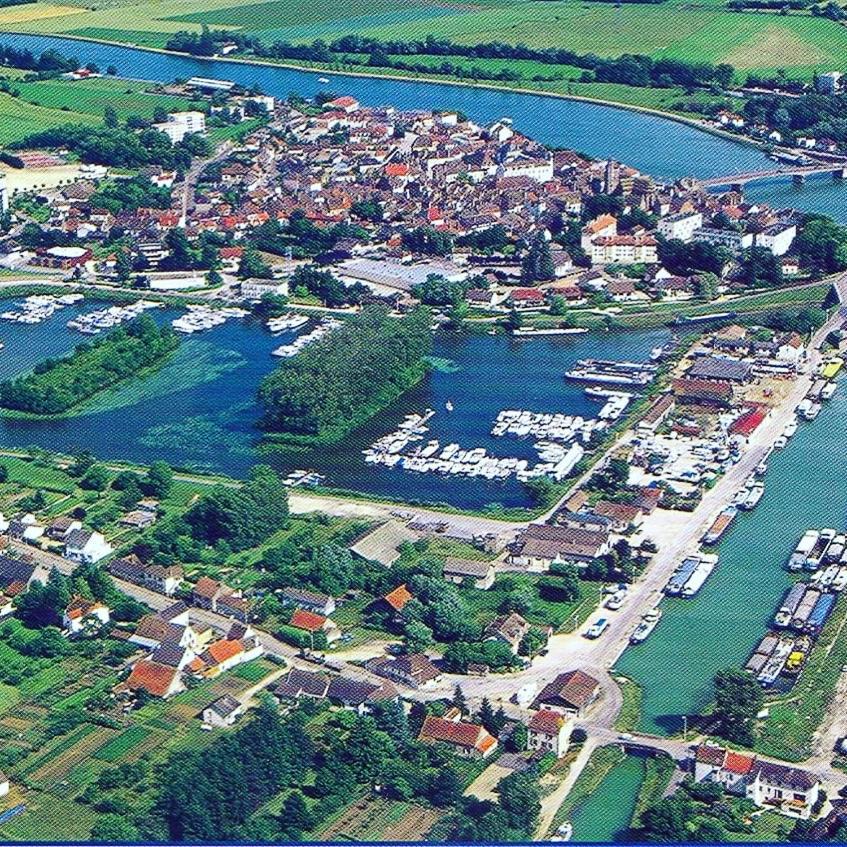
(370, 819)
(702, 31)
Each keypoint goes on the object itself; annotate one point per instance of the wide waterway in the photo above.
(199, 411)
(804, 488)
(661, 147)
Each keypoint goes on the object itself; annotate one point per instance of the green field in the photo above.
(704, 31)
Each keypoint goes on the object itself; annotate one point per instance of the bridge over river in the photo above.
(798, 174)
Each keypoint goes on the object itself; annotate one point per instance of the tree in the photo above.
(517, 740)
(485, 716)
(738, 699)
(445, 788)
(253, 265)
(4, 472)
(158, 480)
(115, 828)
(110, 117)
(123, 265)
(521, 800)
(665, 822)
(459, 701)
(760, 267)
(821, 245)
(537, 265)
(418, 636)
(96, 478)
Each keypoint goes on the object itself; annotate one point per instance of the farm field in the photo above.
(699, 32)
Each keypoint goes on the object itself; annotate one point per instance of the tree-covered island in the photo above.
(58, 385)
(347, 377)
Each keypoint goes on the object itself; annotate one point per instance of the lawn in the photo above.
(19, 119)
(704, 31)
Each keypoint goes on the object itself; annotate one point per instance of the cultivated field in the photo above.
(697, 31)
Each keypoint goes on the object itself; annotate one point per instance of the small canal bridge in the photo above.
(798, 175)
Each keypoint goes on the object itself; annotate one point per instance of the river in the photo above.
(663, 148)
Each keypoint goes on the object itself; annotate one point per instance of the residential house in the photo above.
(223, 712)
(156, 679)
(382, 544)
(477, 572)
(312, 601)
(86, 545)
(415, 669)
(314, 623)
(510, 629)
(83, 615)
(541, 545)
(466, 739)
(358, 695)
(785, 789)
(570, 693)
(549, 732)
(299, 683)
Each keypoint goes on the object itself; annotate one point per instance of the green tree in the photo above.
(115, 828)
(537, 265)
(158, 480)
(738, 699)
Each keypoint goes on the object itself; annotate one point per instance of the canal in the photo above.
(663, 148)
(606, 813)
(804, 488)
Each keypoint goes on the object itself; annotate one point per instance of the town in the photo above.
(407, 670)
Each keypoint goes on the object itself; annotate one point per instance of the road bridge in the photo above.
(798, 174)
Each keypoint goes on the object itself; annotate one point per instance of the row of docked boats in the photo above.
(199, 318)
(93, 323)
(749, 497)
(38, 307)
(805, 608)
(691, 575)
(303, 479)
(552, 427)
(818, 547)
(324, 328)
(604, 371)
(778, 655)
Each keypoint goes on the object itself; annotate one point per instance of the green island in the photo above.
(339, 382)
(57, 386)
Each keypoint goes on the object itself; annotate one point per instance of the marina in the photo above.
(38, 307)
(286, 351)
(93, 323)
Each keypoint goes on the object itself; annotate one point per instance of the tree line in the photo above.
(630, 69)
(341, 380)
(56, 385)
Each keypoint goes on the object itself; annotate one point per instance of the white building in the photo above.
(624, 250)
(777, 238)
(256, 289)
(549, 732)
(82, 613)
(180, 124)
(829, 82)
(4, 784)
(733, 241)
(680, 226)
(86, 545)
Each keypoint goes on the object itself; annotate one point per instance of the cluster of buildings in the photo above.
(421, 169)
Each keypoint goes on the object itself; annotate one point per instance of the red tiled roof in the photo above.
(546, 722)
(222, 650)
(457, 733)
(310, 621)
(152, 677)
(398, 598)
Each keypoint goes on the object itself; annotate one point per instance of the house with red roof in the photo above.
(312, 622)
(465, 739)
(156, 679)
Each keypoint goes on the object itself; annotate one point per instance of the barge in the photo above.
(720, 525)
(635, 374)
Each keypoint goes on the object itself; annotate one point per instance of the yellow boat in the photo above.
(831, 368)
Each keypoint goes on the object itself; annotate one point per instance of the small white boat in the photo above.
(449, 406)
(323, 79)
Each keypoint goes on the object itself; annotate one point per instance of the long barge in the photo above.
(598, 371)
(720, 525)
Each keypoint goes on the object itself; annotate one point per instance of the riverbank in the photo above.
(329, 69)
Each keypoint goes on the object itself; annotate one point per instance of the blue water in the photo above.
(200, 410)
